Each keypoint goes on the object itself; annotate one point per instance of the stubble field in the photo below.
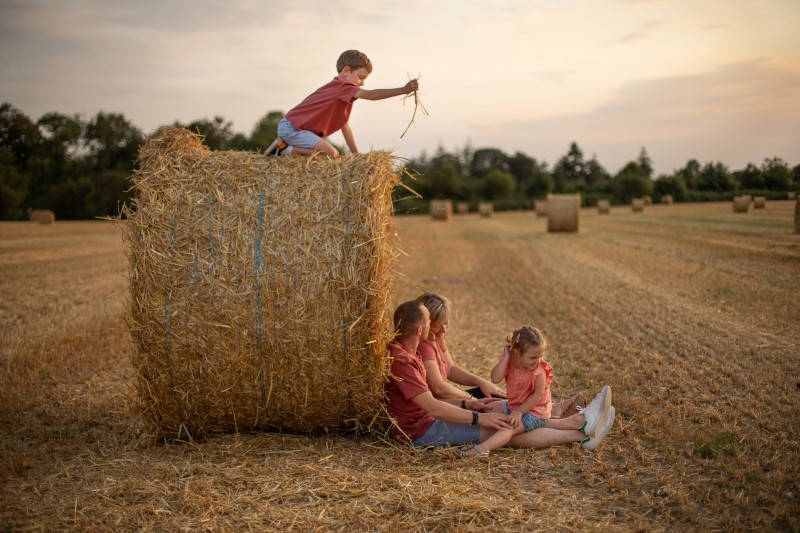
(690, 312)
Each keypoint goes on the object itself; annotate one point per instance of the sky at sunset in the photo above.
(707, 79)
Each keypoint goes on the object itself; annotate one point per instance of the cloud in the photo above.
(739, 113)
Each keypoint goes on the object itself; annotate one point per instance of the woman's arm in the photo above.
(438, 386)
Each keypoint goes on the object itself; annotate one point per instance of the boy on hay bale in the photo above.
(327, 110)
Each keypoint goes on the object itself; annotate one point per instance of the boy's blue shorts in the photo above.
(295, 137)
(444, 433)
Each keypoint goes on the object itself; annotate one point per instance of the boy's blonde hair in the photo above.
(524, 337)
(438, 306)
(355, 60)
(407, 318)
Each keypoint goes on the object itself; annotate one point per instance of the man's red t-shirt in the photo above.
(325, 110)
(406, 382)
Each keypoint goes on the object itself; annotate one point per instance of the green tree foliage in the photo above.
(690, 174)
(265, 131)
(645, 163)
(498, 185)
(777, 176)
(631, 182)
(673, 185)
(569, 174)
(487, 159)
(749, 177)
(715, 177)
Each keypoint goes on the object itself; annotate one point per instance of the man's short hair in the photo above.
(355, 60)
(408, 317)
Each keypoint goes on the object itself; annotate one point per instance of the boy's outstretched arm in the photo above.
(349, 139)
(382, 94)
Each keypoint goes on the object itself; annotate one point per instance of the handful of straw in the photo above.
(417, 105)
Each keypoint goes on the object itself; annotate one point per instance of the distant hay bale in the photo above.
(759, 202)
(791, 195)
(647, 199)
(462, 208)
(603, 206)
(667, 199)
(260, 288)
(563, 211)
(486, 209)
(540, 206)
(637, 205)
(741, 204)
(797, 215)
(43, 216)
(441, 209)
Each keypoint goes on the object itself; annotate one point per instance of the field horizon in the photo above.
(689, 312)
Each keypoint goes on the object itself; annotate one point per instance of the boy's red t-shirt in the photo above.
(406, 382)
(325, 110)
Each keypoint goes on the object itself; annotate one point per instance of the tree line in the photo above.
(80, 168)
(515, 181)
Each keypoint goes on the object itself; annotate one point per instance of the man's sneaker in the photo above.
(278, 147)
(597, 412)
(591, 443)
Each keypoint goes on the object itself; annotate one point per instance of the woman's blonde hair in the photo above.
(524, 337)
(438, 306)
(355, 60)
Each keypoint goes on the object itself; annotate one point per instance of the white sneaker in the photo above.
(597, 412)
(591, 442)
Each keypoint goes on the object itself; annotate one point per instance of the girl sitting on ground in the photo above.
(528, 377)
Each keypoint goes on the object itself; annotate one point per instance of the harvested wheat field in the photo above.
(690, 313)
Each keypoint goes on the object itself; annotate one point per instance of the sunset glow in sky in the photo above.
(707, 79)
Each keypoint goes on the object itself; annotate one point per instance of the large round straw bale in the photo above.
(540, 206)
(462, 208)
(791, 195)
(486, 209)
(260, 287)
(637, 205)
(563, 211)
(603, 206)
(667, 199)
(648, 200)
(43, 216)
(797, 215)
(759, 202)
(441, 209)
(741, 204)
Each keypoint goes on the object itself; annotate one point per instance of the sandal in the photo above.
(472, 451)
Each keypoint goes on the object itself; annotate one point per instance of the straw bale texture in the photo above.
(648, 200)
(603, 207)
(540, 206)
(441, 209)
(797, 215)
(563, 212)
(667, 199)
(462, 208)
(741, 204)
(260, 287)
(486, 209)
(43, 216)
(759, 202)
(637, 205)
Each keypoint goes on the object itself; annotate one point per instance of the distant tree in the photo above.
(749, 177)
(444, 182)
(690, 174)
(715, 177)
(776, 174)
(112, 141)
(596, 177)
(796, 172)
(673, 185)
(631, 182)
(485, 160)
(569, 174)
(498, 185)
(524, 169)
(19, 135)
(645, 163)
(13, 186)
